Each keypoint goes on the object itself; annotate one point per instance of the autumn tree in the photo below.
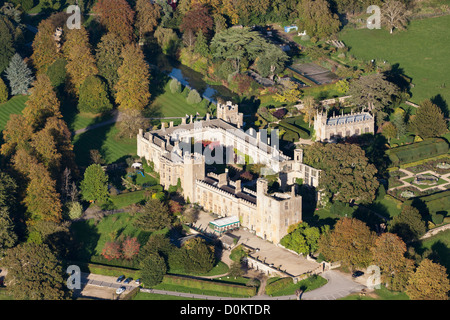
(133, 84)
(317, 18)
(117, 16)
(394, 15)
(389, 254)
(350, 242)
(45, 51)
(147, 16)
(131, 122)
(111, 250)
(94, 186)
(80, 61)
(34, 273)
(310, 107)
(130, 248)
(42, 102)
(94, 97)
(198, 18)
(428, 121)
(429, 282)
(346, 172)
(4, 95)
(16, 134)
(373, 92)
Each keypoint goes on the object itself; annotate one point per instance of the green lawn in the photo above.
(170, 104)
(379, 294)
(421, 51)
(15, 105)
(154, 296)
(439, 246)
(103, 139)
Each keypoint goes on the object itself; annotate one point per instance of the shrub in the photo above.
(175, 86)
(437, 218)
(3, 91)
(75, 210)
(111, 250)
(193, 97)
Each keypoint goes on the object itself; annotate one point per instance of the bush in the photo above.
(437, 218)
(278, 285)
(417, 151)
(175, 86)
(75, 210)
(193, 97)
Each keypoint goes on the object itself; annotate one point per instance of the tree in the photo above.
(310, 107)
(8, 236)
(94, 186)
(16, 134)
(389, 131)
(200, 256)
(148, 15)
(303, 239)
(75, 210)
(111, 250)
(175, 86)
(4, 95)
(157, 243)
(94, 96)
(201, 45)
(317, 18)
(290, 94)
(373, 92)
(428, 121)
(429, 282)
(193, 97)
(133, 84)
(109, 60)
(394, 15)
(389, 254)
(399, 122)
(196, 19)
(57, 72)
(42, 103)
(19, 75)
(34, 273)
(153, 268)
(155, 216)
(44, 46)
(350, 242)
(6, 42)
(117, 16)
(271, 62)
(131, 122)
(346, 172)
(408, 224)
(80, 61)
(167, 39)
(130, 248)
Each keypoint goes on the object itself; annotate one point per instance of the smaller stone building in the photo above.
(354, 124)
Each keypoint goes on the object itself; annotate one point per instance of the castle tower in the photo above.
(194, 169)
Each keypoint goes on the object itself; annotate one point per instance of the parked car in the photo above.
(120, 279)
(137, 281)
(357, 274)
(127, 280)
(120, 290)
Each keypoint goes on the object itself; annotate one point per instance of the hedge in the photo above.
(417, 151)
(209, 285)
(278, 285)
(300, 131)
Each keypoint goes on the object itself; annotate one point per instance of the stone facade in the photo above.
(327, 129)
(267, 215)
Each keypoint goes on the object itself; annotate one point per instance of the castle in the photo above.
(266, 214)
(327, 129)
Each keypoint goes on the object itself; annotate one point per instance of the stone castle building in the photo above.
(268, 215)
(327, 129)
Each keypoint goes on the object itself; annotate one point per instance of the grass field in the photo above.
(15, 105)
(103, 139)
(440, 247)
(421, 51)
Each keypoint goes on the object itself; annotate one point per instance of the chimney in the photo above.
(238, 187)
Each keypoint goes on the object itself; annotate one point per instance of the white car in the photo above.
(120, 290)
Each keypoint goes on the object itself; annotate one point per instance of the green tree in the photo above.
(408, 224)
(6, 42)
(8, 236)
(34, 273)
(429, 282)
(373, 92)
(201, 44)
(19, 75)
(303, 239)
(193, 97)
(390, 131)
(318, 19)
(94, 96)
(94, 186)
(200, 256)
(346, 172)
(153, 268)
(175, 86)
(428, 121)
(57, 72)
(155, 215)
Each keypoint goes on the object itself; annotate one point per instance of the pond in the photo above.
(194, 79)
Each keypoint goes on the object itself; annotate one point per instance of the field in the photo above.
(421, 52)
(15, 105)
(103, 139)
(439, 246)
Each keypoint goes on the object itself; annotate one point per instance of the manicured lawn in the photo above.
(15, 105)
(307, 284)
(103, 139)
(171, 104)
(154, 296)
(439, 245)
(379, 294)
(421, 51)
